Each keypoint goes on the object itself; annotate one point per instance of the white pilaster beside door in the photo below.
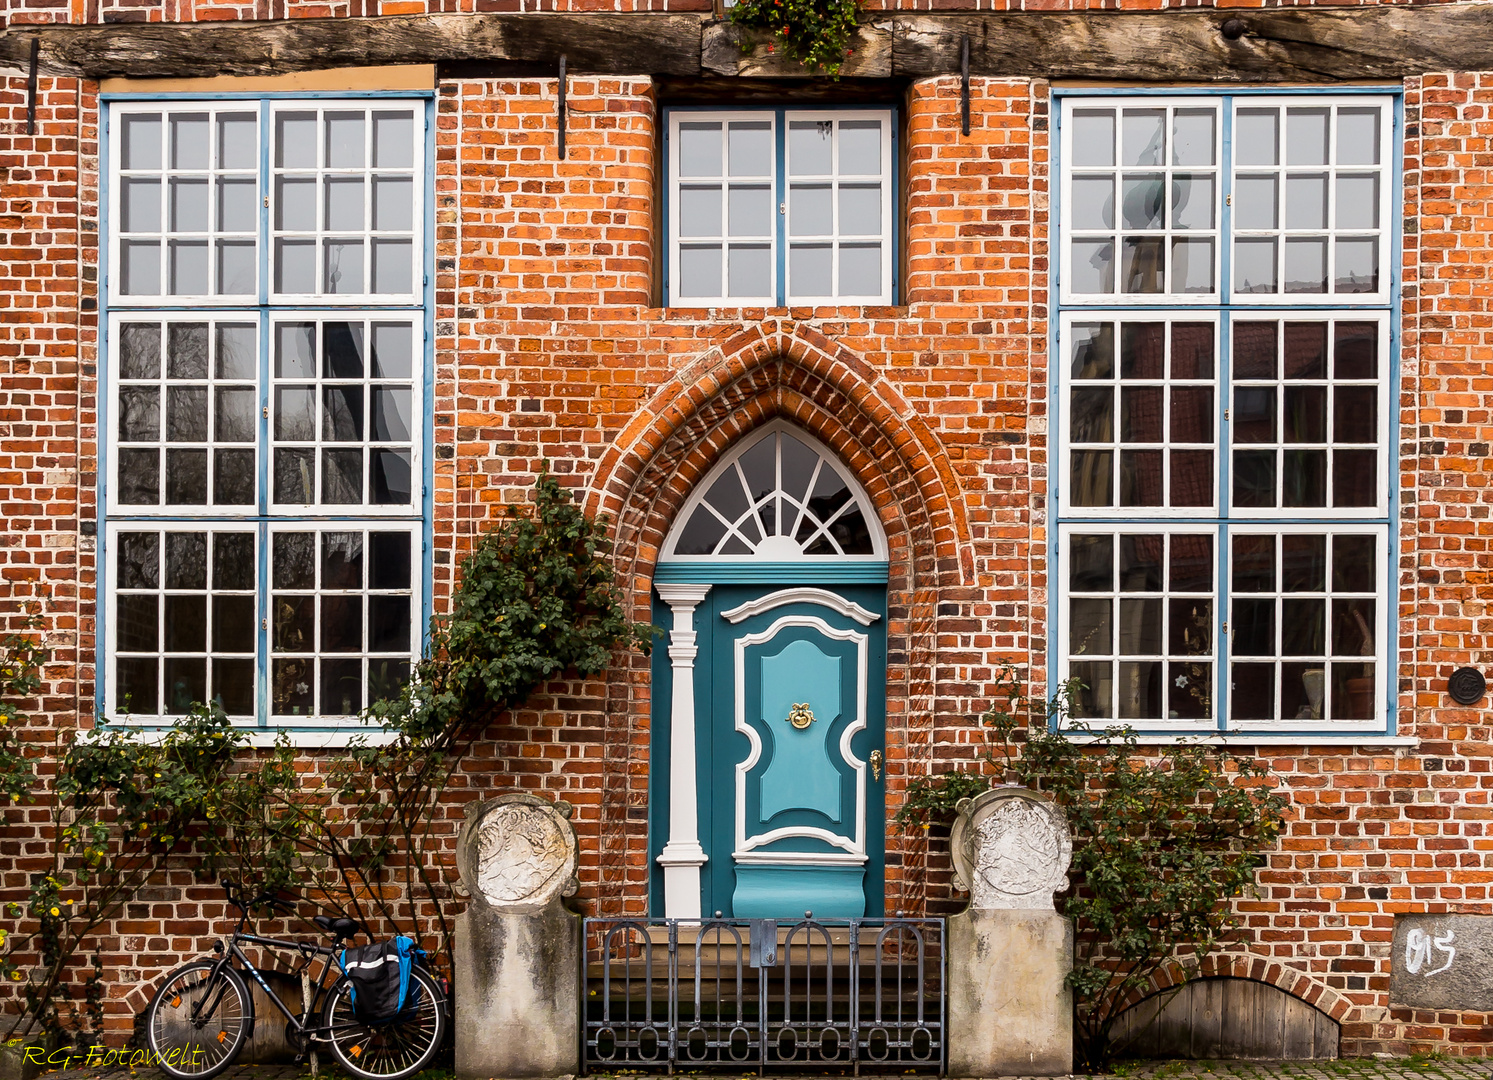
(682, 856)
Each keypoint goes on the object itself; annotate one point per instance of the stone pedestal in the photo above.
(1010, 1012)
(1010, 1009)
(518, 993)
(518, 956)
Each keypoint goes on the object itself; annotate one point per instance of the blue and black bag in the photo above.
(380, 974)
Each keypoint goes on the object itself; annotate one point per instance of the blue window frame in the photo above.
(265, 385)
(769, 207)
(1223, 409)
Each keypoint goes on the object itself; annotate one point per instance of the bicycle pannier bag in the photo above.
(380, 974)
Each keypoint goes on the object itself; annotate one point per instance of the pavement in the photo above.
(1433, 1067)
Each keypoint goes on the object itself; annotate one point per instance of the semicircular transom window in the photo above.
(779, 497)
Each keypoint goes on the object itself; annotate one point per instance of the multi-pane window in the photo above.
(775, 206)
(265, 432)
(1223, 414)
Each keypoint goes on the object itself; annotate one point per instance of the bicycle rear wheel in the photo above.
(396, 1048)
(197, 1045)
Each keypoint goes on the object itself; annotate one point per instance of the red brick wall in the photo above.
(549, 349)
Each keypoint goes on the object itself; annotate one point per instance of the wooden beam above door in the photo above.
(1292, 45)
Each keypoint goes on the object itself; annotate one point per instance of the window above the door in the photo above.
(778, 497)
(768, 207)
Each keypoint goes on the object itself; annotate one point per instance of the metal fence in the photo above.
(765, 993)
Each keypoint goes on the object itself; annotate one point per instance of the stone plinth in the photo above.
(518, 951)
(1010, 1009)
(1010, 1012)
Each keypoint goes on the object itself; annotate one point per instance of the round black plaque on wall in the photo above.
(1467, 686)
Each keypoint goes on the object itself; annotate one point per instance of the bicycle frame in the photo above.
(308, 951)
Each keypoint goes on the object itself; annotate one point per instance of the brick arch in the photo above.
(645, 477)
(1243, 965)
(835, 385)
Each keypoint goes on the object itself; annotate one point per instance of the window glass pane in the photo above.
(1192, 137)
(810, 148)
(394, 140)
(860, 210)
(1306, 136)
(860, 147)
(190, 141)
(1358, 136)
(749, 270)
(1093, 204)
(1093, 267)
(238, 141)
(699, 271)
(860, 270)
(1093, 138)
(1143, 137)
(749, 148)
(700, 149)
(141, 141)
(140, 206)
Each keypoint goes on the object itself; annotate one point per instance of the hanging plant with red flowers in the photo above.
(816, 33)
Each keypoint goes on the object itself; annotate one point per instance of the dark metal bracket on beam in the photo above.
(964, 84)
(560, 134)
(31, 86)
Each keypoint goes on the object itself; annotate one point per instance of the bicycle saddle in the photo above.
(338, 928)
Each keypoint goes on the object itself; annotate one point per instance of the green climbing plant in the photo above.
(816, 33)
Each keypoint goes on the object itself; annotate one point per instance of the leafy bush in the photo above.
(817, 33)
(1164, 838)
(538, 597)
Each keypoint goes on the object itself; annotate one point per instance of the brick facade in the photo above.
(550, 347)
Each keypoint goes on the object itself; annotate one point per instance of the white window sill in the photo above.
(1264, 738)
(300, 738)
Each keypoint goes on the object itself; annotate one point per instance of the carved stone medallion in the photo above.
(1011, 849)
(517, 853)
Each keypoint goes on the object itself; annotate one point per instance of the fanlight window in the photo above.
(782, 499)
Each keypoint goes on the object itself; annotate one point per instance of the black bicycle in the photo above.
(203, 1014)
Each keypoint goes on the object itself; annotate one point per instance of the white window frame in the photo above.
(1385, 233)
(1382, 398)
(829, 459)
(111, 597)
(781, 180)
(274, 382)
(1229, 309)
(1065, 382)
(266, 310)
(1385, 599)
(368, 234)
(117, 112)
(267, 201)
(1167, 233)
(280, 527)
(1062, 616)
(112, 420)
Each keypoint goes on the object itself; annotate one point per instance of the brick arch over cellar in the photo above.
(645, 478)
(1243, 965)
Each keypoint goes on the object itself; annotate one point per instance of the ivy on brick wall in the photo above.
(538, 599)
(1164, 837)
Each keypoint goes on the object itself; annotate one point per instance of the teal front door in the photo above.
(795, 706)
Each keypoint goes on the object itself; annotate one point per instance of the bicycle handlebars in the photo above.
(235, 897)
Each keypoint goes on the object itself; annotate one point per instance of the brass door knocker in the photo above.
(800, 715)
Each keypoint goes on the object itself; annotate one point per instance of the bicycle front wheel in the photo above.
(198, 1022)
(395, 1048)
